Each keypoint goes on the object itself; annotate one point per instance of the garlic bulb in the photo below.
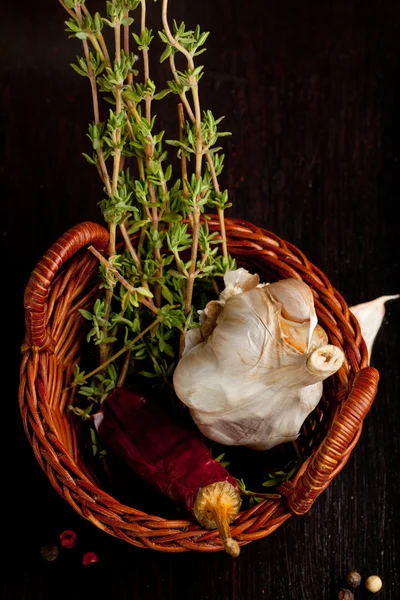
(253, 371)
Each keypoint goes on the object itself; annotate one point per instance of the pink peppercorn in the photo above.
(88, 558)
(68, 538)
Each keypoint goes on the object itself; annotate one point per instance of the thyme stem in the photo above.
(182, 96)
(122, 280)
(220, 211)
(181, 118)
(116, 355)
(102, 50)
(131, 249)
(145, 61)
(199, 156)
(124, 370)
(126, 46)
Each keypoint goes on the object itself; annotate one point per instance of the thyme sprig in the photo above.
(280, 476)
(271, 480)
(255, 497)
(161, 255)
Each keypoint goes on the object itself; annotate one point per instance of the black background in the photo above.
(311, 92)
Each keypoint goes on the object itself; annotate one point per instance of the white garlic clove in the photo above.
(237, 282)
(297, 335)
(297, 302)
(370, 316)
(240, 278)
(193, 337)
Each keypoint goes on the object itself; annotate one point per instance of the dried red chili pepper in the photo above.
(171, 455)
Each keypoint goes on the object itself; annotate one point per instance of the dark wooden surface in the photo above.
(311, 92)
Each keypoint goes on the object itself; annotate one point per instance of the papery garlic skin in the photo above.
(257, 374)
(237, 282)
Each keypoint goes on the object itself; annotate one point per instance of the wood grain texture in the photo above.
(311, 93)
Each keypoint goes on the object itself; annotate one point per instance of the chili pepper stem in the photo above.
(216, 506)
(220, 514)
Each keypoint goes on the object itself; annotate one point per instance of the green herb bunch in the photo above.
(161, 253)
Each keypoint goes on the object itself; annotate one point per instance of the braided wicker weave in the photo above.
(65, 280)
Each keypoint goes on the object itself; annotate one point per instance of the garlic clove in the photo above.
(296, 298)
(319, 338)
(237, 282)
(297, 336)
(193, 337)
(370, 316)
(240, 278)
(297, 302)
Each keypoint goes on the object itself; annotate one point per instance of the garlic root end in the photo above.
(325, 361)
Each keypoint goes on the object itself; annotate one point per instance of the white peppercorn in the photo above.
(373, 583)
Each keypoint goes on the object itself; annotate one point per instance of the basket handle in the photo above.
(38, 287)
(319, 470)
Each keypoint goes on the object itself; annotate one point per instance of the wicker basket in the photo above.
(65, 280)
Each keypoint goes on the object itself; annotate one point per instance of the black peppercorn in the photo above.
(354, 579)
(345, 595)
(50, 552)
